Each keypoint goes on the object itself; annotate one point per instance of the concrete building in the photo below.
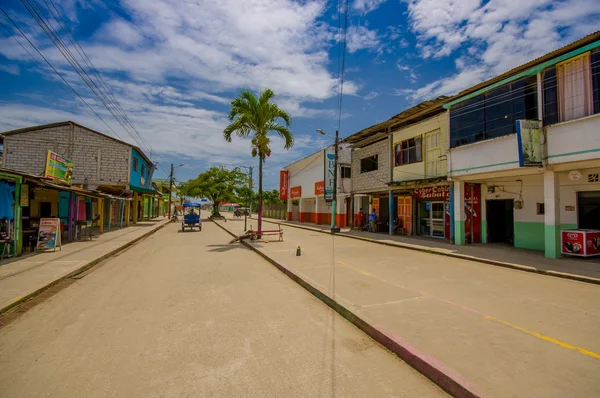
(538, 179)
(305, 187)
(101, 162)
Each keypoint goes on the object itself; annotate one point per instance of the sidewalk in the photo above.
(487, 331)
(24, 277)
(584, 270)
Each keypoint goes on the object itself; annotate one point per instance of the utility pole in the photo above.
(335, 229)
(170, 189)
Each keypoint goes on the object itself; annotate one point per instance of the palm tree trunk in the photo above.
(260, 193)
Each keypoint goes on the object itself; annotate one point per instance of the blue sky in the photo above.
(174, 65)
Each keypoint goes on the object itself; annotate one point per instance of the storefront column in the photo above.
(136, 204)
(318, 211)
(109, 213)
(127, 211)
(459, 213)
(300, 218)
(289, 210)
(391, 211)
(353, 212)
(71, 215)
(551, 215)
(101, 214)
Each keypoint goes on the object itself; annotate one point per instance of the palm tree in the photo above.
(257, 117)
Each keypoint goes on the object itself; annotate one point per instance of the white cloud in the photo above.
(371, 95)
(494, 36)
(361, 38)
(13, 69)
(402, 67)
(366, 6)
(120, 31)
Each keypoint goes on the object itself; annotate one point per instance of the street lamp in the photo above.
(334, 229)
(171, 185)
(249, 193)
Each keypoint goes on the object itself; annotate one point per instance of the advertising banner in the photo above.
(295, 192)
(49, 234)
(319, 188)
(433, 192)
(329, 178)
(24, 195)
(529, 136)
(283, 184)
(593, 243)
(58, 168)
(573, 243)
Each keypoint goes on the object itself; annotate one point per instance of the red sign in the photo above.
(283, 184)
(473, 212)
(593, 243)
(295, 192)
(438, 191)
(573, 243)
(320, 188)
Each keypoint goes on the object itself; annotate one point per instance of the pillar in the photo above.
(353, 215)
(127, 211)
(18, 237)
(459, 213)
(109, 213)
(101, 214)
(289, 209)
(391, 210)
(319, 210)
(136, 204)
(551, 215)
(300, 218)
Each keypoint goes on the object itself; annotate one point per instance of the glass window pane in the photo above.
(467, 121)
(419, 150)
(550, 96)
(498, 118)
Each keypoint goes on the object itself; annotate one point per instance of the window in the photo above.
(144, 171)
(550, 96)
(369, 164)
(409, 151)
(135, 164)
(346, 172)
(596, 80)
(541, 209)
(494, 113)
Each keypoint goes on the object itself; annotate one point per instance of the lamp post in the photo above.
(171, 186)
(334, 229)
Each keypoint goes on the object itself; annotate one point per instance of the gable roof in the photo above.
(71, 123)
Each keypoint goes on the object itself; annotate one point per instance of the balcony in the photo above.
(575, 140)
(493, 155)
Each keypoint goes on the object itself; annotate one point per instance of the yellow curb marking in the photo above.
(546, 338)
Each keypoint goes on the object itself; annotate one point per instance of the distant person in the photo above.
(361, 219)
(373, 221)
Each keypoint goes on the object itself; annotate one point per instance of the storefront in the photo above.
(10, 214)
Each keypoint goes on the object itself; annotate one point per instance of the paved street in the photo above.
(507, 332)
(186, 314)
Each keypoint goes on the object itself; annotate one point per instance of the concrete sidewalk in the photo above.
(493, 331)
(26, 276)
(583, 270)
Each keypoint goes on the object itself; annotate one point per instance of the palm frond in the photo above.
(284, 133)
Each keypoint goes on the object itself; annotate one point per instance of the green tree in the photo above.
(257, 118)
(217, 184)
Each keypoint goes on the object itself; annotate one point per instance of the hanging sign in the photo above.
(296, 192)
(49, 234)
(24, 195)
(329, 178)
(319, 188)
(283, 184)
(58, 168)
(530, 142)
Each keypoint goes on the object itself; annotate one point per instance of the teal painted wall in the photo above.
(483, 231)
(568, 226)
(529, 235)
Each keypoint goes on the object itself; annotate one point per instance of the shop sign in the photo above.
(58, 168)
(575, 175)
(569, 208)
(49, 234)
(329, 156)
(529, 137)
(24, 195)
(295, 192)
(319, 188)
(283, 184)
(439, 191)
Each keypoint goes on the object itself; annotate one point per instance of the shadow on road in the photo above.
(222, 248)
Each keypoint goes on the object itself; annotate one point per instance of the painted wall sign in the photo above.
(569, 208)
(529, 137)
(24, 195)
(320, 188)
(49, 234)
(295, 192)
(58, 168)
(575, 175)
(329, 178)
(438, 191)
(284, 176)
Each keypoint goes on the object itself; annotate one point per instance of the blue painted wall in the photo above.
(136, 175)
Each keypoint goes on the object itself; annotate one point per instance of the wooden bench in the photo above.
(254, 234)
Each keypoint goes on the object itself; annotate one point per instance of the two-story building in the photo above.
(303, 186)
(529, 141)
(101, 162)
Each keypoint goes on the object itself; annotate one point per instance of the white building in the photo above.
(532, 186)
(305, 189)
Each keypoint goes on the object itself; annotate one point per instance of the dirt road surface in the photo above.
(187, 315)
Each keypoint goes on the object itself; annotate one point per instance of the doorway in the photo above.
(45, 209)
(431, 219)
(588, 210)
(500, 221)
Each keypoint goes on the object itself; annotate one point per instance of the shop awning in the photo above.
(144, 190)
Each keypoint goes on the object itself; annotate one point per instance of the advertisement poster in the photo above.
(573, 243)
(319, 188)
(295, 192)
(593, 243)
(58, 168)
(283, 184)
(529, 136)
(329, 179)
(433, 192)
(24, 195)
(49, 234)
